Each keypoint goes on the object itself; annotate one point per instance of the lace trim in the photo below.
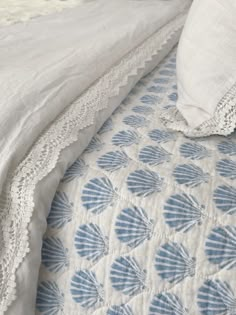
(18, 202)
(223, 122)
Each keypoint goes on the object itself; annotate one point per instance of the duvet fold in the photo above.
(52, 70)
(47, 63)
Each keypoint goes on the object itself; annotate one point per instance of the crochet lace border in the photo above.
(17, 201)
(223, 122)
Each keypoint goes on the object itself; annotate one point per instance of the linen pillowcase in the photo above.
(206, 71)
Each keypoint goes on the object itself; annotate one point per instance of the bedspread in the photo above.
(144, 221)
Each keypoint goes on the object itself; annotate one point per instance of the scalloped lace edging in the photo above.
(17, 201)
(223, 122)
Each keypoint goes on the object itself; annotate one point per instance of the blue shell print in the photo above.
(170, 66)
(173, 97)
(113, 161)
(86, 290)
(54, 254)
(157, 89)
(127, 276)
(161, 136)
(50, 300)
(190, 175)
(216, 297)
(133, 226)
(107, 126)
(153, 155)
(94, 145)
(136, 121)
(150, 99)
(161, 80)
(220, 247)
(90, 242)
(167, 73)
(226, 168)
(227, 147)
(78, 169)
(98, 194)
(61, 211)
(225, 199)
(143, 110)
(173, 263)
(193, 151)
(120, 310)
(167, 304)
(125, 138)
(144, 183)
(182, 212)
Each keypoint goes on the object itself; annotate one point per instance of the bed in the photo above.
(141, 223)
(104, 210)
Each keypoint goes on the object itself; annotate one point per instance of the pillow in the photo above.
(206, 71)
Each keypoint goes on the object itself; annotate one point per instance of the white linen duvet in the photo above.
(93, 54)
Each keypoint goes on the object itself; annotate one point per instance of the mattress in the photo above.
(142, 222)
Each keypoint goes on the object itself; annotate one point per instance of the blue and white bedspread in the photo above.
(144, 222)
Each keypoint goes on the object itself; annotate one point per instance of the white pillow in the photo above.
(206, 71)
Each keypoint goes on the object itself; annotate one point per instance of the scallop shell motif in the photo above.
(144, 183)
(161, 136)
(61, 211)
(170, 66)
(167, 304)
(90, 242)
(50, 300)
(153, 155)
(77, 169)
(150, 99)
(157, 89)
(220, 247)
(94, 145)
(216, 297)
(225, 199)
(190, 175)
(161, 81)
(86, 290)
(107, 126)
(173, 263)
(193, 151)
(143, 110)
(120, 310)
(98, 194)
(54, 254)
(133, 226)
(182, 212)
(127, 276)
(167, 73)
(125, 138)
(113, 161)
(173, 97)
(227, 147)
(135, 121)
(226, 168)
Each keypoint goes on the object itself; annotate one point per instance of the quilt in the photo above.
(144, 222)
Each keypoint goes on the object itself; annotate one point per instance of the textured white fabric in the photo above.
(13, 11)
(206, 70)
(46, 64)
(19, 201)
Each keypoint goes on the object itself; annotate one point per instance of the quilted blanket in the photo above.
(144, 222)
